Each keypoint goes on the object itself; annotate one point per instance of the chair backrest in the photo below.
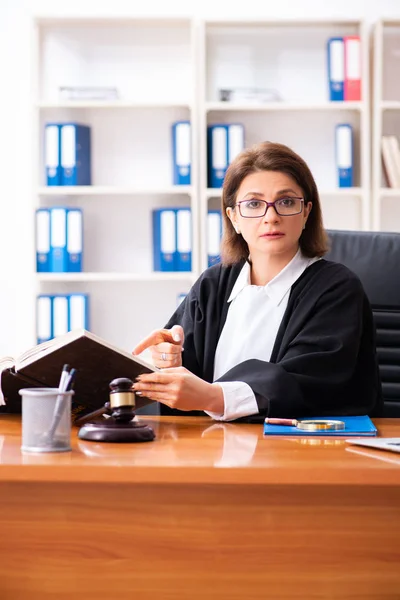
(375, 258)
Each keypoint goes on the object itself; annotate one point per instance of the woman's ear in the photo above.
(307, 210)
(231, 214)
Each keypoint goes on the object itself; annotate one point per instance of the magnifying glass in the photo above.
(309, 424)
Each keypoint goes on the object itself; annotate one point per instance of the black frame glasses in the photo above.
(274, 204)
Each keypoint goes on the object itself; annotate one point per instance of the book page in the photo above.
(141, 361)
(33, 354)
(5, 363)
(96, 362)
(35, 351)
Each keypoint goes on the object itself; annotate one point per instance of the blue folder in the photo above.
(214, 234)
(52, 152)
(164, 239)
(44, 318)
(183, 239)
(335, 51)
(224, 143)
(74, 240)
(43, 240)
(344, 155)
(354, 426)
(181, 152)
(58, 240)
(75, 154)
(78, 311)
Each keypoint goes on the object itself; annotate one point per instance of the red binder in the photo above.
(352, 68)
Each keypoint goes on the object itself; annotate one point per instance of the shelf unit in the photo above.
(167, 70)
(386, 120)
(152, 64)
(281, 56)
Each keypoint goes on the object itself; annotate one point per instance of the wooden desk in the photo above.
(205, 511)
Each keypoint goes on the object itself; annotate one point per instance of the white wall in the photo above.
(370, 9)
(16, 172)
(15, 169)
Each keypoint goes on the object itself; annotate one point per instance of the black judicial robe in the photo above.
(323, 361)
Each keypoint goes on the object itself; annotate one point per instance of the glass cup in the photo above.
(46, 420)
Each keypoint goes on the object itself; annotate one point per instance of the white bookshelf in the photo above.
(288, 57)
(168, 70)
(152, 64)
(386, 120)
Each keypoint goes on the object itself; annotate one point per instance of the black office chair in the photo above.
(375, 258)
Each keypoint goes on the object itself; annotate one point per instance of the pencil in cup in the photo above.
(65, 385)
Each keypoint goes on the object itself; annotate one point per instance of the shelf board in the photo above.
(104, 190)
(353, 191)
(112, 21)
(115, 277)
(391, 22)
(350, 191)
(282, 22)
(389, 192)
(390, 105)
(114, 104)
(213, 192)
(281, 106)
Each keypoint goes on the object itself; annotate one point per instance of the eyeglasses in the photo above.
(285, 207)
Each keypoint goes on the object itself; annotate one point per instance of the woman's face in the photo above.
(271, 234)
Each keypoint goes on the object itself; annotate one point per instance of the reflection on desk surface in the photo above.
(199, 449)
(231, 446)
(199, 443)
(385, 456)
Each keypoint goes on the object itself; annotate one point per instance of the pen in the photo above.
(70, 380)
(64, 374)
(274, 421)
(66, 383)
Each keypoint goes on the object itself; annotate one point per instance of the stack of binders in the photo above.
(224, 143)
(59, 240)
(344, 68)
(57, 314)
(172, 239)
(67, 154)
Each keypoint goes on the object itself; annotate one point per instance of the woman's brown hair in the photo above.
(269, 156)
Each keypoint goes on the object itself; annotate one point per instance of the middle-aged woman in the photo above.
(275, 330)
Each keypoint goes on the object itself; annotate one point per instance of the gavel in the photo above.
(119, 427)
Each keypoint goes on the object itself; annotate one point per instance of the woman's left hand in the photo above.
(179, 388)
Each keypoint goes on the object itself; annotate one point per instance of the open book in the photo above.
(96, 361)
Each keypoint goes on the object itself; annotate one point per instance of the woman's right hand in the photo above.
(166, 347)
